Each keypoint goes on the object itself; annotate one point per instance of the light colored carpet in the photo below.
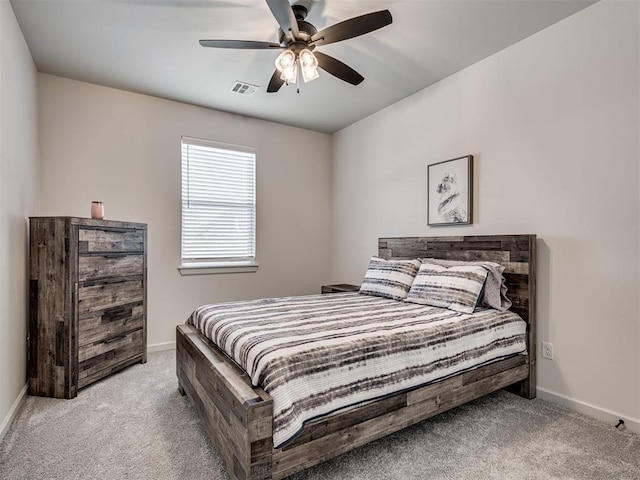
(135, 425)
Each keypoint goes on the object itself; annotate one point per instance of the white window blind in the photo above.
(218, 202)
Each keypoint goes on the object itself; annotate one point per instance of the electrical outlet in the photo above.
(547, 350)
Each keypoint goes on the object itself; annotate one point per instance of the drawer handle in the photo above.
(116, 313)
(112, 340)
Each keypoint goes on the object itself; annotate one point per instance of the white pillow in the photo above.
(389, 278)
(456, 288)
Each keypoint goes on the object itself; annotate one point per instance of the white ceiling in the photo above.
(151, 47)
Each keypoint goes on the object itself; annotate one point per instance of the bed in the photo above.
(239, 418)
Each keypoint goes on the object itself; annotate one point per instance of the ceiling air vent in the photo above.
(245, 89)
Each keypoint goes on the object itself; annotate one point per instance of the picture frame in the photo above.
(450, 192)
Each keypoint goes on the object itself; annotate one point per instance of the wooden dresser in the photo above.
(87, 301)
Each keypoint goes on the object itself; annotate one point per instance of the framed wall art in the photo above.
(450, 192)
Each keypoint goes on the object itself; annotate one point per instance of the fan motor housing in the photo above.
(306, 32)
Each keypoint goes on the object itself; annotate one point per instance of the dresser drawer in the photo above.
(110, 323)
(107, 295)
(95, 240)
(98, 356)
(91, 267)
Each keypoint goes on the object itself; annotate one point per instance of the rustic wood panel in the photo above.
(51, 316)
(493, 369)
(97, 356)
(116, 225)
(115, 367)
(92, 267)
(339, 288)
(83, 298)
(109, 295)
(144, 299)
(94, 240)
(325, 426)
(246, 446)
(110, 323)
(433, 390)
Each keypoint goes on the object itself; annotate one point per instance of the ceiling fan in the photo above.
(298, 39)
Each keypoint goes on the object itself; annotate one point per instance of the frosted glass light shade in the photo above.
(287, 65)
(290, 74)
(285, 60)
(308, 65)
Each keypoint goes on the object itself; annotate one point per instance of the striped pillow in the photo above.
(455, 288)
(495, 288)
(389, 278)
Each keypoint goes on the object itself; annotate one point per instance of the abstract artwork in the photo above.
(450, 192)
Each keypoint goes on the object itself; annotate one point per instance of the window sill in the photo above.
(217, 268)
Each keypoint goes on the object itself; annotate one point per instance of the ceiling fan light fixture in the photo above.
(308, 65)
(299, 38)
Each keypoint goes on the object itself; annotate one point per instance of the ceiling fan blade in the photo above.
(242, 44)
(338, 69)
(275, 83)
(283, 13)
(353, 27)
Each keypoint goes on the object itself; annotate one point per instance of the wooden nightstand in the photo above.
(340, 288)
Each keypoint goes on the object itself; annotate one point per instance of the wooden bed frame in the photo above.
(238, 417)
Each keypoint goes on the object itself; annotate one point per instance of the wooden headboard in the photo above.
(516, 252)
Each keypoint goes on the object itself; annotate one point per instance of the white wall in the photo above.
(18, 200)
(553, 123)
(123, 148)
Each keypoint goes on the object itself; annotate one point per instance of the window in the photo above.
(218, 207)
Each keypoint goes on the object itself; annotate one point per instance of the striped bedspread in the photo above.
(321, 353)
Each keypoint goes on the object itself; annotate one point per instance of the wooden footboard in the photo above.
(238, 417)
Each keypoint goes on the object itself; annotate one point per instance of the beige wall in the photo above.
(18, 200)
(553, 123)
(123, 148)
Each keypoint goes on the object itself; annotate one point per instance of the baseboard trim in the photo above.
(8, 420)
(607, 416)
(161, 347)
